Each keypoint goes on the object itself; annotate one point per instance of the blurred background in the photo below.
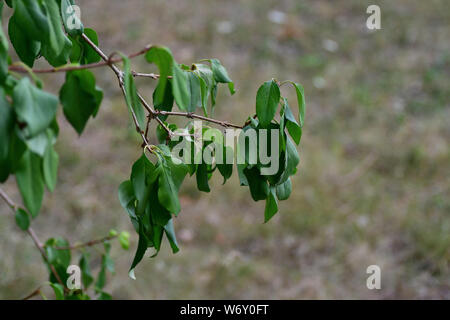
(373, 182)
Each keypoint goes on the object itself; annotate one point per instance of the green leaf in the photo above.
(127, 199)
(284, 190)
(26, 48)
(3, 51)
(257, 183)
(162, 57)
(71, 22)
(291, 161)
(170, 233)
(126, 193)
(195, 92)
(6, 128)
(58, 290)
(86, 275)
(180, 87)
(22, 219)
(82, 52)
(29, 180)
(34, 107)
(202, 177)
(267, 99)
(291, 124)
(56, 46)
(132, 99)
(124, 240)
(143, 174)
(140, 251)
(301, 101)
(104, 296)
(166, 104)
(80, 98)
(32, 17)
(101, 277)
(219, 71)
(167, 191)
(60, 259)
(50, 167)
(271, 205)
(16, 150)
(225, 169)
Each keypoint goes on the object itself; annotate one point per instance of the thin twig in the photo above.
(197, 116)
(119, 75)
(86, 244)
(33, 236)
(17, 68)
(34, 293)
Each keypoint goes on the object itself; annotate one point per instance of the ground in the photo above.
(373, 182)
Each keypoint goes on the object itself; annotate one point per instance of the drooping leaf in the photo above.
(3, 51)
(301, 101)
(32, 17)
(267, 99)
(86, 275)
(127, 199)
(284, 190)
(56, 46)
(26, 48)
(16, 150)
(167, 191)
(140, 251)
(6, 127)
(271, 205)
(180, 87)
(219, 71)
(195, 92)
(291, 161)
(202, 178)
(226, 169)
(162, 57)
(170, 233)
(257, 183)
(58, 290)
(291, 124)
(22, 219)
(80, 98)
(143, 175)
(166, 104)
(30, 182)
(33, 106)
(50, 167)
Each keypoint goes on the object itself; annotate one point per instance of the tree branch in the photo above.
(196, 116)
(20, 69)
(87, 244)
(119, 75)
(33, 236)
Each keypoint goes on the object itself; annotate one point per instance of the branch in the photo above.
(119, 75)
(33, 236)
(87, 244)
(196, 116)
(88, 66)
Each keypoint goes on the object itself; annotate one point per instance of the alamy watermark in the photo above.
(373, 22)
(374, 280)
(251, 146)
